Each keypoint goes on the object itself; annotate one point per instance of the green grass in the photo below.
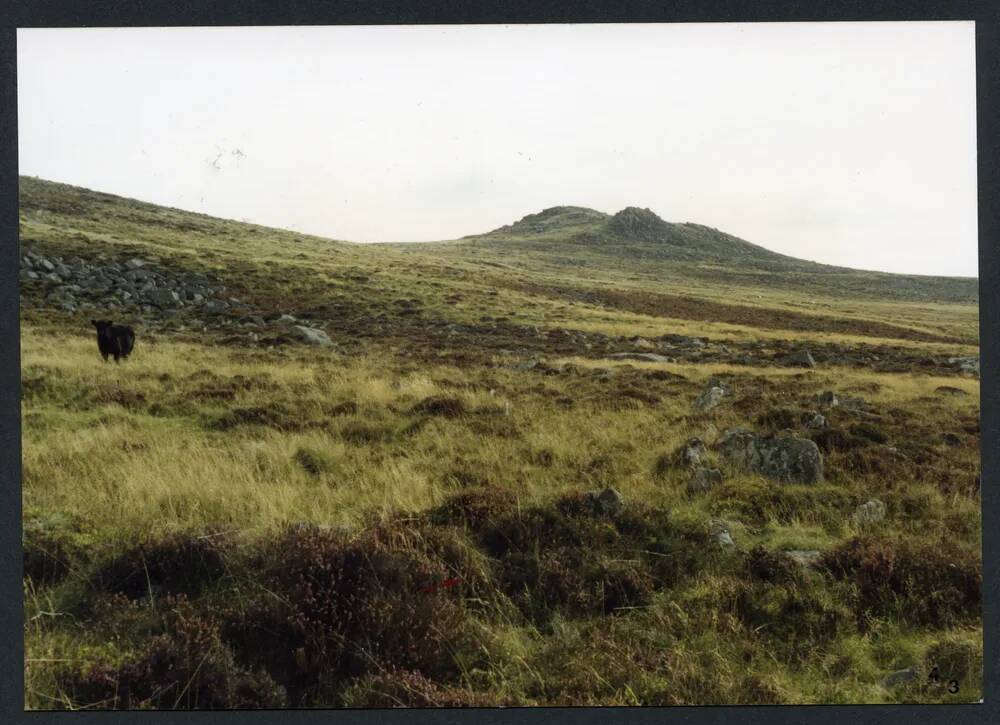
(200, 519)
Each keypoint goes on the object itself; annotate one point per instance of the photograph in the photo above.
(499, 366)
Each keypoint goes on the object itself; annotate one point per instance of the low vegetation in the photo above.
(418, 514)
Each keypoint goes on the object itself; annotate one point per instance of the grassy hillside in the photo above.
(233, 518)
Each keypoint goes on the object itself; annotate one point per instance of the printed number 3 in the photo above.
(953, 686)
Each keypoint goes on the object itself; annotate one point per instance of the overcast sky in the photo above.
(846, 143)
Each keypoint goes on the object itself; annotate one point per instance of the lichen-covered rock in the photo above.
(791, 460)
(787, 459)
(311, 335)
(692, 452)
(703, 480)
(711, 396)
(719, 531)
(870, 512)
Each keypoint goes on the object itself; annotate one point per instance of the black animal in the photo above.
(116, 340)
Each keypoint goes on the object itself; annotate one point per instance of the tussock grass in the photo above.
(200, 521)
(135, 453)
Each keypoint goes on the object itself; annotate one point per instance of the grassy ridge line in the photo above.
(701, 310)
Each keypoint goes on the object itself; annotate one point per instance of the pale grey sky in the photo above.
(845, 143)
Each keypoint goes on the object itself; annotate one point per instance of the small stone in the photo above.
(311, 335)
(710, 398)
(801, 358)
(813, 420)
(870, 512)
(163, 297)
(719, 530)
(691, 452)
(703, 480)
(828, 399)
(900, 677)
(804, 557)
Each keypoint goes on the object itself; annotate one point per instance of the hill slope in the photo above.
(637, 241)
(624, 275)
(510, 476)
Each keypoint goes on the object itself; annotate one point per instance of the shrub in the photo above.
(178, 563)
(779, 418)
(314, 462)
(956, 658)
(774, 567)
(344, 606)
(274, 416)
(441, 406)
(869, 432)
(52, 546)
(393, 687)
(186, 667)
(475, 509)
(794, 619)
(927, 583)
(360, 433)
(834, 440)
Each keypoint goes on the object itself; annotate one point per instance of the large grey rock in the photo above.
(311, 335)
(703, 480)
(286, 320)
(135, 263)
(46, 265)
(786, 459)
(791, 460)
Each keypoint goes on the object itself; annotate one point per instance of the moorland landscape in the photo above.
(582, 459)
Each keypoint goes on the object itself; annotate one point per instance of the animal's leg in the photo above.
(105, 356)
(116, 357)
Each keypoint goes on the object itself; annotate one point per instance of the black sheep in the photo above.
(116, 340)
